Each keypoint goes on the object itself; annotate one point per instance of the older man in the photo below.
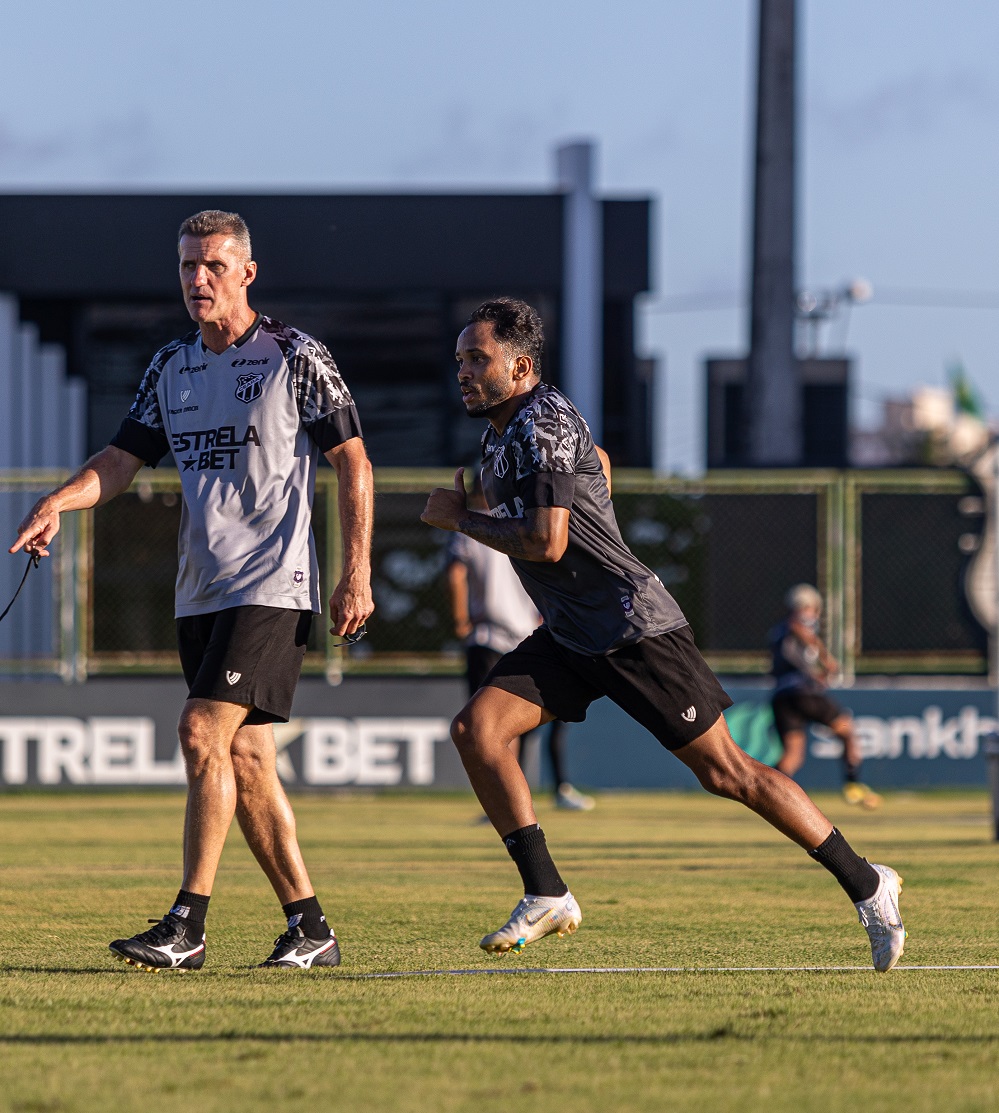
(246, 405)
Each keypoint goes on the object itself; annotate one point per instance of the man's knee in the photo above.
(200, 738)
(473, 732)
(727, 771)
(721, 780)
(462, 731)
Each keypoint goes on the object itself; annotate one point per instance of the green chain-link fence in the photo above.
(887, 549)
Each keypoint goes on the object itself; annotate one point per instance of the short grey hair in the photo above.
(216, 222)
(801, 596)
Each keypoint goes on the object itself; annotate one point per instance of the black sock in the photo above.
(857, 876)
(308, 915)
(529, 851)
(193, 908)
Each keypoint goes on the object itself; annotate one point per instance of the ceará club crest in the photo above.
(500, 465)
(248, 386)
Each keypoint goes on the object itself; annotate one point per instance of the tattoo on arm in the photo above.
(506, 535)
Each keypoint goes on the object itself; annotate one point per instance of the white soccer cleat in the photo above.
(533, 919)
(572, 800)
(880, 915)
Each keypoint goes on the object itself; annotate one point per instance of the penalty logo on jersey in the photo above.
(248, 387)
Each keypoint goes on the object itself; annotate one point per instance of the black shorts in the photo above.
(795, 709)
(662, 682)
(245, 655)
(479, 660)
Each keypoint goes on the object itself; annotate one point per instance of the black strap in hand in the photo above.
(33, 561)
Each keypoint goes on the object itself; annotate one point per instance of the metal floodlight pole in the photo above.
(582, 282)
(992, 740)
(773, 407)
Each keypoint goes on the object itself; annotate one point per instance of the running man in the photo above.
(610, 628)
(246, 405)
(801, 668)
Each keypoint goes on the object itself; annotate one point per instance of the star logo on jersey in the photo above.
(232, 677)
(500, 464)
(248, 388)
(690, 714)
(184, 395)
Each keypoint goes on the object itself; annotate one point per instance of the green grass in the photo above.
(410, 883)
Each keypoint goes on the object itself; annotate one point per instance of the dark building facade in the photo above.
(386, 282)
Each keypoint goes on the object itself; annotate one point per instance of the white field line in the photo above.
(648, 970)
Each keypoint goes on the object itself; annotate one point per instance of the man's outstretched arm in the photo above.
(541, 535)
(103, 476)
(351, 602)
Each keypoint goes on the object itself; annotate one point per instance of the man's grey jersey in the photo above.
(500, 611)
(598, 596)
(246, 428)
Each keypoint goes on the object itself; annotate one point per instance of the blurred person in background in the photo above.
(246, 405)
(610, 629)
(493, 614)
(802, 668)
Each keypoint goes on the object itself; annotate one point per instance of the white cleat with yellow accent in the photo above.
(880, 915)
(533, 919)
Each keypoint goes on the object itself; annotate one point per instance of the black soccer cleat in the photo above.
(294, 950)
(165, 946)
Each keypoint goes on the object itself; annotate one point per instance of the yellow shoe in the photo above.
(856, 793)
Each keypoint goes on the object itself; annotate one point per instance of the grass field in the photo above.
(410, 883)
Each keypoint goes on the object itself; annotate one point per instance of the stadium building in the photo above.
(386, 281)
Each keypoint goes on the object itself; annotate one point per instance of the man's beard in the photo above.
(492, 397)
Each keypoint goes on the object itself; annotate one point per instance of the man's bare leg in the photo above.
(794, 752)
(207, 729)
(726, 770)
(265, 815)
(483, 733)
(853, 790)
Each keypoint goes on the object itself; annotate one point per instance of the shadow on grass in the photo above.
(664, 1040)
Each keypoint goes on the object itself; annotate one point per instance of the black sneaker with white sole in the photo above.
(165, 946)
(294, 950)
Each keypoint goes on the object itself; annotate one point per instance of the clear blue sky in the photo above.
(899, 111)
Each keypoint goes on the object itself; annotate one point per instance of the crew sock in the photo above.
(858, 877)
(851, 772)
(529, 851)
(307, 915)
(193, 909)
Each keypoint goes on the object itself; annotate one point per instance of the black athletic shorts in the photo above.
(245, 655)
(796, 708)
(662, 682)
(479, 660)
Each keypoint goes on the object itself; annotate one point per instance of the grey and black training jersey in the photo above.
(246, 428)
(598, 596)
